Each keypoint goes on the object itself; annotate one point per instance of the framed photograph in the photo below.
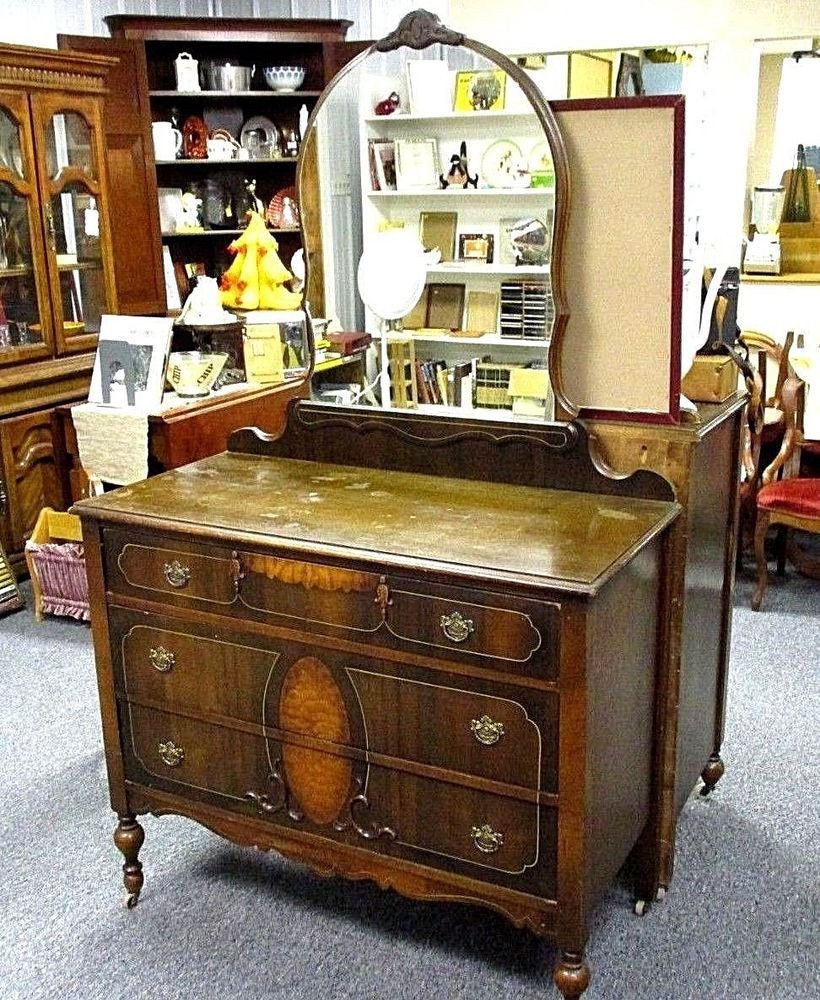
(417, 164)
(383, 164)
(438, 229)
(129, 369)
(445, 306)
(476, 248)
(480, 90)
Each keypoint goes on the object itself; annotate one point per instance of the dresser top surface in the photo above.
(544, 536)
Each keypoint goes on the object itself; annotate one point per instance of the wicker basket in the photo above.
(56, 564)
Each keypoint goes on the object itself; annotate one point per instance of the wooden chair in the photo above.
(786, 498)
(770, 357)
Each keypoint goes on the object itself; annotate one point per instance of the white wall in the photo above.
(729, 27)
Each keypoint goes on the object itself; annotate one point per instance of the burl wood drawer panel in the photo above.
(502, 733)
(505, 840)
(496, 631)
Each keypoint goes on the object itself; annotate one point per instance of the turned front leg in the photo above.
(571, 974)
(129, 837)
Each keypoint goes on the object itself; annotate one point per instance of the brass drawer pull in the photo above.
(171, 754)
(177, 574)
(486, 839)
(161, 659)
(456, 627)
(486, 731)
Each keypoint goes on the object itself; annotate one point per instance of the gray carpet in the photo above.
(217, 922)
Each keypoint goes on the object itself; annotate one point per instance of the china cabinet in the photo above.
(56, 264)
(264, 124)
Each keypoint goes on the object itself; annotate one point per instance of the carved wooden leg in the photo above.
(571, 974)
(712, 773)
(760, 559)
(129, 837)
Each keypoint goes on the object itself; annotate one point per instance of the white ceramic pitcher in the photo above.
(167, 140)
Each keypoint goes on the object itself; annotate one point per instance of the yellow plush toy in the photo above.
(256, 278)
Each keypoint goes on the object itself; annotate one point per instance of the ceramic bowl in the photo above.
(193, 373)
(284, 78)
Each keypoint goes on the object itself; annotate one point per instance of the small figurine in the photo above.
(194, 139)
(189, 213)
(389, 105)
(459, 173)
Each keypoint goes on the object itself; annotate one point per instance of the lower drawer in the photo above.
(449, 826)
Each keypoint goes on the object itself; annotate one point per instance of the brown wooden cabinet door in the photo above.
(72, 181)
(132, 181)
(29, 473)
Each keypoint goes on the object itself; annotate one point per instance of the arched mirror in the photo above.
(434, 191)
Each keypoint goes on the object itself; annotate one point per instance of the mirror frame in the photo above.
(419, 30)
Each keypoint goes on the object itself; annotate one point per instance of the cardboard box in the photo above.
(711, 379)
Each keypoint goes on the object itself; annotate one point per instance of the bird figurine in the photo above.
(388, 105)
(459, 173)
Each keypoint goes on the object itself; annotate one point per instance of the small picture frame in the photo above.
(383, 164)
(476, 248)
(437, 230)
(445, 306)
(482, 311)
(417, 166)
(129, 369)
(480, 90)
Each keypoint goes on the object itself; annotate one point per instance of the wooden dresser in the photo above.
(442, 684)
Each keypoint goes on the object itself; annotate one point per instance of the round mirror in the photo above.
(432, 140)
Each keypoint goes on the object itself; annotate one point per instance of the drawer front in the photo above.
(185, 671)
(464, 625)
(182, 571)
(475, 727)
(487, 735)
(432, 822)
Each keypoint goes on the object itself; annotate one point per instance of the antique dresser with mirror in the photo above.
(397, 642)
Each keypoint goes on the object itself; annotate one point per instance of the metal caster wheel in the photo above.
(640, 908)
(130, 901)
(661, 893)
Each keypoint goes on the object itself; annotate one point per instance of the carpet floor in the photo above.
(217, 922)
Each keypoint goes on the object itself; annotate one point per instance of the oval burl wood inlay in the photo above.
(312, 704)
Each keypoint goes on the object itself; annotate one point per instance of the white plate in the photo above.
(540, 158)
(501, 163)
(258, 124)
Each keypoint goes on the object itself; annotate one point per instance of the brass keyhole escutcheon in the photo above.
(487, 840)
(456, 627)
(486, 731)
(177, 574)
(161, 659)
(171, 754)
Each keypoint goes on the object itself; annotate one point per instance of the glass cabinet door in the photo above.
(75, 219)
(25, 327)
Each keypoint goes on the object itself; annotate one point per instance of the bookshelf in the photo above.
(475, 310)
